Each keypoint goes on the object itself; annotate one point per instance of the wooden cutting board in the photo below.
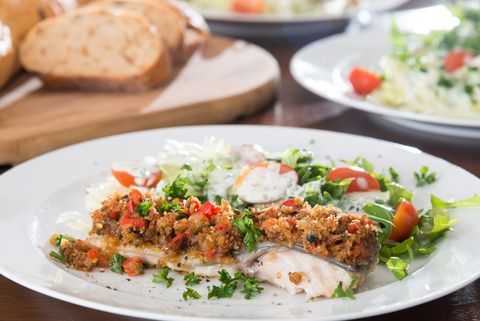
(224, 80)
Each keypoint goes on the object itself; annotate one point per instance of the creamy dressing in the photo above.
(354, 202)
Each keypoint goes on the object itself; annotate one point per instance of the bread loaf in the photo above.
(97, 48)
(170, 23)
(19, 16)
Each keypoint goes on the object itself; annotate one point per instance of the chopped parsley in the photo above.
(162, 277)
(247, 228)
(228, 285)
(177, 188)
(341, 293)
(251, 286)
(191, 293)
(191, 279)
(424, 176)
(169, 207)
(116, 263)
(144, 207)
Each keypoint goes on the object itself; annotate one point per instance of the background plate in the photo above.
(35, 192)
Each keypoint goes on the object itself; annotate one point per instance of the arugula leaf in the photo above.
(57, 256)
(60, 237)
(294, 156)
(226, 289)
(397, 193)
(247, 228)
(116, 263)
(341, 293)
(177, 188)
(382, 215)
(361, 162)
(162, 277)
(398, 267)
(144, 207)
(191, 293)
(191, 279)
(310, 173)
(424, 177)
(393, 174)
(472, 202)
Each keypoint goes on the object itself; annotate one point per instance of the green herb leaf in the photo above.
(57, 256)
(144, 207)
(398, 267)
(394, 175)
(472, 202)
(191, 279)
(397, 193)
(226, 289)
(186, 167)
(361, 162)
(247, 228)
(294, 157)
(162, 277)
(424, 177)
(116, 263)
(310, 173)
(382, 215)
(177, 188)
(191, 293)
(251, 286)
(169, 207)
(341, 293)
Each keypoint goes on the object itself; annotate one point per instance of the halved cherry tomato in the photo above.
(127, 179)
(208, 209)
(92, 255)
(248, 6)
(362, 181)
(364, 81)
(456, 59)
(138, 223)
(289, 202)
(176, 239)
(404, 220)
(133, 266)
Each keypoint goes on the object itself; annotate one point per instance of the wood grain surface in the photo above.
(223, 81)
(296, 107)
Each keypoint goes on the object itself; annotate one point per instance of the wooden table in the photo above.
(296, 107)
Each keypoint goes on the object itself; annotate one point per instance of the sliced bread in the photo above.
(170, 23)
(97, 48)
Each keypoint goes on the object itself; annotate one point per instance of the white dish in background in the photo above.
(292, 25)
(35, 192)
(323, 66)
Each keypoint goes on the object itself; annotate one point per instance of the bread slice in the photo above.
(97, 48)
(170, 23)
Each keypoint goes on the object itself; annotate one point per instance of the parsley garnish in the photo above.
(144, 207)
(341, 293)
(191, 293)
(251, 286)
(177, 188)
(191, 279)
(116, 263)
(162, 277)
(168, 207)
(424, 177)
(247, 228)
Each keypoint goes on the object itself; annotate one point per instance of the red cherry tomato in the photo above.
(290, 202)
(362, 181)
(127, 178)
(364, 81)
(133, 266)
(247, 6)
(456, 59)
(404, 220)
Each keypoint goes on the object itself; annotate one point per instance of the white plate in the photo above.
(323, 66)
(276, 25)
(35, 192)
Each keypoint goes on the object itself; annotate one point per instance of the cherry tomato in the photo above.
(247, 6)
(284, 168)
(208, 209)
(133, 266)
(138, 223)
(404, 220)
(364, 81)
(456, 59)
(362, 181)
(290, 202)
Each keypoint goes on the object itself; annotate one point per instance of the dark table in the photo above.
(297, 107)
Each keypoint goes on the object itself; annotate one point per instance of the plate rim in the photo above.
(157, 316)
